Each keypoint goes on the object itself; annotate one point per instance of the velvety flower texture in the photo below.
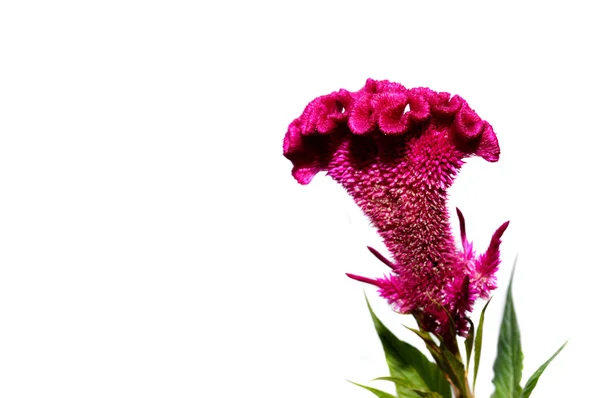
(397, 151)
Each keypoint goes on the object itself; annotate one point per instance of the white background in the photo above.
(154, 244)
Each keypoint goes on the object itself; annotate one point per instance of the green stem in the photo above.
(449, 340)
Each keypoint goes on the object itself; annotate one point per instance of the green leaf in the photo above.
(433, 349)
(532, 382)
(408, 363)
(508, 367)
(469, 342)
(406, 386)
(427, 339)
(478, 342)
(446, 360)
(455, 370)
(379, 393)
(403, 383)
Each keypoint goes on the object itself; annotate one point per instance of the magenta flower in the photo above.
(397, 151)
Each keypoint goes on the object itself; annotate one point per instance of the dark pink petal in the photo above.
(380, 257)
(326, 115)
(488, 147)
(362, 117)
(323, 114)
(442, 105)
(467, 125)
(459, 301)
(419, 107)
(363, 279)
(292, 141)
(345, 101)
(371, 86)
(305, 174)
(385, 86)
(463, 231)
(467, 246)
(331, 111)
(390, 108)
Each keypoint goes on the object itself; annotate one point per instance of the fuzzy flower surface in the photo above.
(396, 151)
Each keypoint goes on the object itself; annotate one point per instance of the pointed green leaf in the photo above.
(433, 349)
(508, 367)
(446, 360)
(456, 370)
(427, 339)
(408, 363)
(379, 393)
(478, 342)
(532, 382)
(469, 342)
(404, 384)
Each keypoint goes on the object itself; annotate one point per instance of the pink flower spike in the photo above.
(467, 246)
(388, 289)
(363, 279)
(459, 301)
(380, 257)
(487, 265)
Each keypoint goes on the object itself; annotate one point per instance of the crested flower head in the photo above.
(397, 151)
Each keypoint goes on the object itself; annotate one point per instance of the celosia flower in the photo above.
(397, 151)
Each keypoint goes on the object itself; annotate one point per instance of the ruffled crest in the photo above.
(397, 151)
